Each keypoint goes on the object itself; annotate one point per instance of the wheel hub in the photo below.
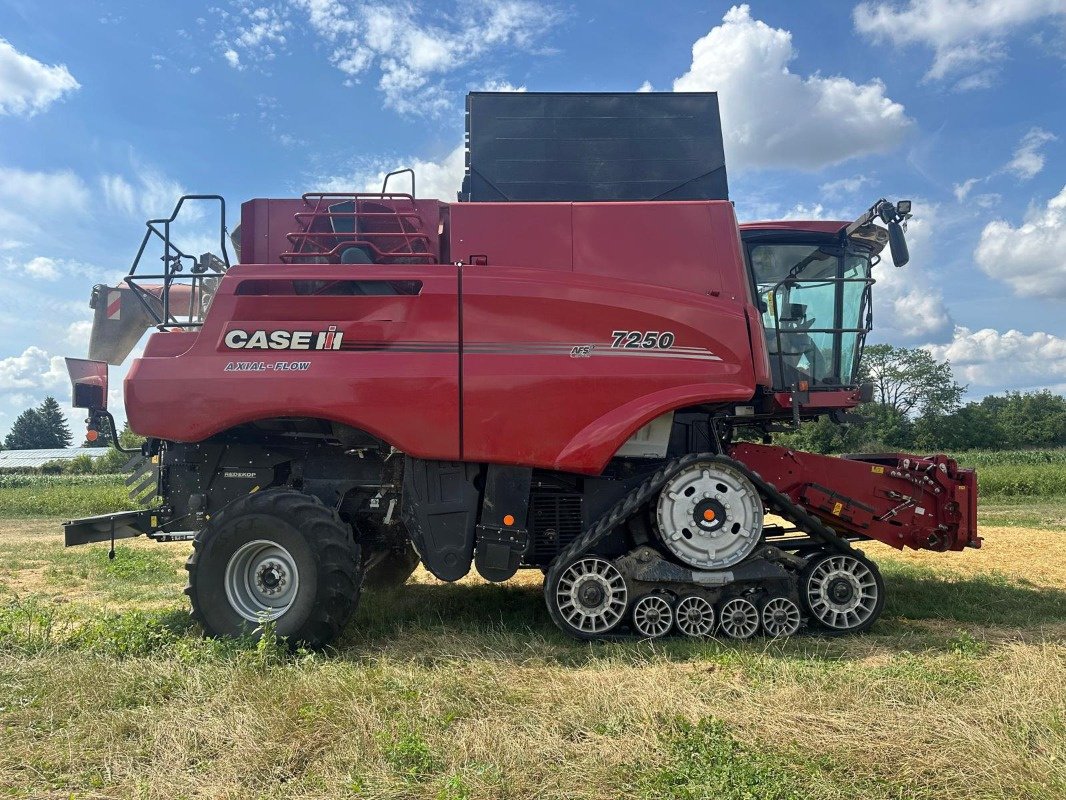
(709, 516)
(591, 595)
(261, 580)
(842, 592)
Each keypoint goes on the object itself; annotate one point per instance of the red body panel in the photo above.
(396, 391)
(544, 382)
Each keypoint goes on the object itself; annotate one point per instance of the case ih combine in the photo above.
(553, 373)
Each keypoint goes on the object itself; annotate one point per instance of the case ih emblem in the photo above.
(284, 340)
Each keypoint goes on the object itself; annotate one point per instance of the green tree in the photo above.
(909, 381)
(56, 422)
(29, 432)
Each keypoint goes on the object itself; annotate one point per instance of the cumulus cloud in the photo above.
(33, 369)
(437, 179)
(907, 303)
(27, 86)
(988, 358)
(42, 267)
(773, 117)
(1030, 257)
(1028, 159)
(967, 37)
(411, 57)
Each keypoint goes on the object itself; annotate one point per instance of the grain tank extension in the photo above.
(566, 370)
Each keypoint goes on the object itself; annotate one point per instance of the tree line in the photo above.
(917, 406)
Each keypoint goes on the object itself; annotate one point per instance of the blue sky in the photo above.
(109, 110)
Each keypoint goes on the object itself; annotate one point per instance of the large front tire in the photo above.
(277, 556)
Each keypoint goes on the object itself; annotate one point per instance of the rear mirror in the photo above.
(89, 382)
(897, 243)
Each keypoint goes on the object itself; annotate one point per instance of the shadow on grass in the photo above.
(512, 623)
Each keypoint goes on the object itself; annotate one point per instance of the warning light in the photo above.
(91, 435)
(508, 519)
(709, 515)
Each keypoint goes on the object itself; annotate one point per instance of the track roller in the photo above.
(653, 616)
(843, 592)
(694, 616)
(739, 619)
(780, 617)
(589, 598)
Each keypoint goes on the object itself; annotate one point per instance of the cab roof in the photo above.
(807, 225)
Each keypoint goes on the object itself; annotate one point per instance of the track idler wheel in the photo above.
(842, 592)
(739, 619)
(653, 616)
(589, 598)
(694, 616)
(780, 617)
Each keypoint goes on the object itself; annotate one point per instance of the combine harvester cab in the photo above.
(556, 372)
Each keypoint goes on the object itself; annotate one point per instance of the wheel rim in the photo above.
(591, 595)
(739, 619)
(652, 616)
(780, 617)
(261, 581)
(694, 616)
(709, 516)
(842, 592)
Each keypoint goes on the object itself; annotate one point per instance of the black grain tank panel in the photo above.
(537, 146)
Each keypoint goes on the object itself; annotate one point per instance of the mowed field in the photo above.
(468, 691)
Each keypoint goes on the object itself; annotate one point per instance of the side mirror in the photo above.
(897, 243)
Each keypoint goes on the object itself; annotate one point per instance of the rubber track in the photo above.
(777, 502)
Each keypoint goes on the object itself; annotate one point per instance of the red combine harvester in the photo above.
(550, 374)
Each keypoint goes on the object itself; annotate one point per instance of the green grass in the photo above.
(467, 691)
(62, 495)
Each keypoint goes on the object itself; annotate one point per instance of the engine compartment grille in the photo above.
(556, 521)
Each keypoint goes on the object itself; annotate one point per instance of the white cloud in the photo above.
(907, 303)
(435, 179)
(34, 369)
(1028, 159)
(28, 199)
(965, 35)
(413, 58)
(989, 358)
(1031, 257)
(773, 117)
(26, 85)
(962, 190)
(646, 87)
(845, 185)
(42, 267)
(232, 58)
(78, 334)
(151, 194)
(499, 86)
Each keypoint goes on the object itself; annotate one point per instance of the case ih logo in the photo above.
(284, 340)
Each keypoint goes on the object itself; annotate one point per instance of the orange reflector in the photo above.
(508, 519)
(709, 515)
(91, 435)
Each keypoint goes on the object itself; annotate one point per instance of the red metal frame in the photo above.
(905, 501)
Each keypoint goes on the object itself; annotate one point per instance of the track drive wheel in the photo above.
(588, 597)
(275, 556)
(842, 592)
